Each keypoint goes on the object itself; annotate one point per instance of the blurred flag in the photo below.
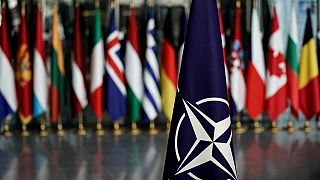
(23, 72)
(97, 67)
(79, 94)
(40, 73)
(8, 99)
(256, 71)
(200, 141)
(133, 71)
(237, 80)
(57, 70)
(151, 101)
(292, 65)
(183, 29)
(168, 72)
(276, 85)
(115, 82)
(308, 74)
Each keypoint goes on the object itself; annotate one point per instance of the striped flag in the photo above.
(79, 95)
(292, 65)
(256, 71)
(115, 81)
(40, 74)
(308, 74)
(8, 99)
(97, 68)
(276, 92)
(168, 82)
(23, 72)
(151, 101)
(57, 93)
(133, 71)
(237, 79)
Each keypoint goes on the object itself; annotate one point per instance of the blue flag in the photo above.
(200, 141)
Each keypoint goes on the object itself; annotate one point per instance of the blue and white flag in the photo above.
(200, 141)
(151, 101)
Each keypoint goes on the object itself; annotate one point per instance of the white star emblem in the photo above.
(201, 135)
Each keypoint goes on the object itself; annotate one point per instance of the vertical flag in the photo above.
(97, 68)
(23, 74)
(308, 74)
(151, 101)
(8, 99)
(237, 80)
(276, 92)
(292, 65)
(115, 82)
(57, 70)
(200, 141)
(183, 29)
(79, 95)
(168, 72)
(40, 74)
(256, 71)
(133, 71)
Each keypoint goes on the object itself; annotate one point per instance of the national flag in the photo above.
(97, 67)
(115, 80)
(40, 73)
(276, 85)
(237, 79)
(151, 101)
(308, 74)
(168, 71)
(8, 99)
(79, 92)
(23, 72)
(292, 65)
(133, 71)
(57, 92)
(183, 29)
(256, 71)
(200, 140)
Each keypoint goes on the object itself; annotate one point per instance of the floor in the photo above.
(259, 156)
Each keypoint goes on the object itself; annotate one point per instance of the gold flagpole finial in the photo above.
(23, 7)
(132, 4)
(219, 4)
(76, 3)
(238, 3)
(97, 3)
(113, 3)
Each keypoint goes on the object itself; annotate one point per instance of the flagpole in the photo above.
(7, 132)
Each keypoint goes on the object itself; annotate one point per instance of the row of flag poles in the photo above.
(141, 91)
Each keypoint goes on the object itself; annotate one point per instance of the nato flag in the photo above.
(200, 140)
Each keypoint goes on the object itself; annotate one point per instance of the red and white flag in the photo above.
(276, 95)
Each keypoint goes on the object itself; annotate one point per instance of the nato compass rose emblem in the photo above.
(208, 148)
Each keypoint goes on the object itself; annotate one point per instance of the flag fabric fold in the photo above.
(276, 83)
(40, 73)
(200, 140)
(133, 73)
(151, 101)
(79, 92)
(115, 81)
(8, 98)
(308, 74)
(23, 73)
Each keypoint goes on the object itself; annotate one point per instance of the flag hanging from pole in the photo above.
(276, 85)
(168, 71)
(292, 65)
(151, 101)
(256, 71)
(57, 70)
(97, 67)
(79, 92)
(133, 71)
(200, 140)
(40, 73)
(115, 80)
(23, 72)
(308, 74)
(8, 99)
